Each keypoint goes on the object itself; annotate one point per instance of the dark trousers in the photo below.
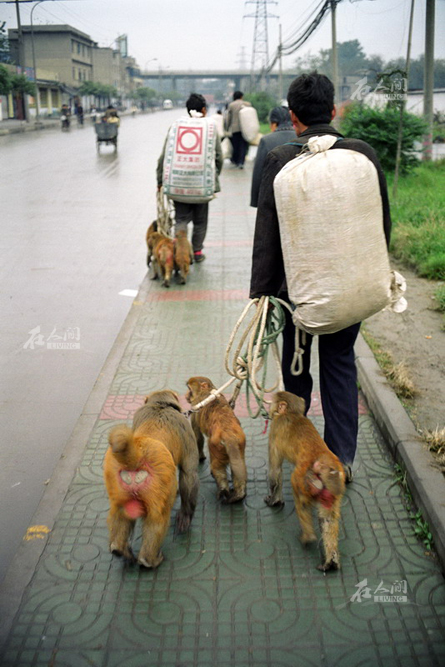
(338, 384)
(196, 213)
(240, 147)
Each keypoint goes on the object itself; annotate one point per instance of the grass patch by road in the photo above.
(418, 214)
(439, 295)
(397, 375)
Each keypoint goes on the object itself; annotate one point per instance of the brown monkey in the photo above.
(140, 476)
(161, 248)
(226, 439)
(183, 255)
(318, 477)
(153, 228)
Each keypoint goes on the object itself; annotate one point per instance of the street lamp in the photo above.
(34, 63)
(149, 61)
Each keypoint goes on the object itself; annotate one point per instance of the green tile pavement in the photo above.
(238, 590)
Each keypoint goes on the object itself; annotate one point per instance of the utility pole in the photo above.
(280, 56)
(34, 65)
(334, 52)
(21, 52)
(402, 103)
(428, 86)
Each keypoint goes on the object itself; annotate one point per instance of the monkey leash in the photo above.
(165, 213)
(260, 333)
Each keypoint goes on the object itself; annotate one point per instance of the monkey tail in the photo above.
(335, 482)
(122, 445)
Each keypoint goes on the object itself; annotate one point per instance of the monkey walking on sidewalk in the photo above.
(226, 439)
(318, 477)
(140, 476)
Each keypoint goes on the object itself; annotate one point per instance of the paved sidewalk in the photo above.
(238, 590)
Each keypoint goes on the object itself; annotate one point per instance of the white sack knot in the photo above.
(195, 114)
(398, 288)
(321, 144)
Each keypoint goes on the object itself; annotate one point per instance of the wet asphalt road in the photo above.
(72, 237)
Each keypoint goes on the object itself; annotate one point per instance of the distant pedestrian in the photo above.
(219, 122)
(282, 132)
(196, 143)
(111, 112)
(233, 128)
(79, 113)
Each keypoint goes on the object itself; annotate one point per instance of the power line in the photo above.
(288, 48)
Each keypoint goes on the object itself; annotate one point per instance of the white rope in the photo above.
(240, 369)
(165, 214)
(299, 351)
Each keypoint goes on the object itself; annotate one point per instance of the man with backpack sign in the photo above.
(188, 169)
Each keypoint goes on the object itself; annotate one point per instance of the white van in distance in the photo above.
(167, 104)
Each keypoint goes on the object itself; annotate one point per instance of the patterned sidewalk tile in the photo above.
(124, 406)
(239, 589)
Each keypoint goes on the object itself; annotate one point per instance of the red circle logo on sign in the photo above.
(189, 140)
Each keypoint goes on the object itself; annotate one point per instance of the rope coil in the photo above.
(260, 333)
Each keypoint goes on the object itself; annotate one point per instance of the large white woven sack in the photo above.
(331, 226)
(249, 123)
(189, 161)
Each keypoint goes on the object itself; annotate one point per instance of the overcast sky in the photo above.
(190, 34)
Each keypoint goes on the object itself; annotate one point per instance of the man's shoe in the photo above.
(198, 257)
(348, 473)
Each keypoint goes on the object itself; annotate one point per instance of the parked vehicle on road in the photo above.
(167, 104)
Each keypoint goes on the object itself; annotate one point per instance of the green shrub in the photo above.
(263, 103)
(5, 81)
(380, 128)
(21, 85)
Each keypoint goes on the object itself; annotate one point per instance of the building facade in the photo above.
(69, 58)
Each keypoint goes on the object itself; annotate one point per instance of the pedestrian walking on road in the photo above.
(281, 131)
(189, 145)
(233, 128)
(311, 104)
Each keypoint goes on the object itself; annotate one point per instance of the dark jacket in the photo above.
(268, 276)
(282, 135)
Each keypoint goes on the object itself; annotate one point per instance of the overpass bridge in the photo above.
(241, 79)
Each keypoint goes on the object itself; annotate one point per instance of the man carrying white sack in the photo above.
(311, 104)
(189, 169)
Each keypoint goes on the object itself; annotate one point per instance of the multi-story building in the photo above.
(107, 67)
(74, 58)
(57, 48)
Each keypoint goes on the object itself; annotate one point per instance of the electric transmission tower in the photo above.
(242, 59)
(260, 52)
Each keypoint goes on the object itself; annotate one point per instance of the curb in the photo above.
(22, 568)
(43, 125)
(30, 127)
(425, 481)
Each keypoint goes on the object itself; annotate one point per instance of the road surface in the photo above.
(72, 238)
